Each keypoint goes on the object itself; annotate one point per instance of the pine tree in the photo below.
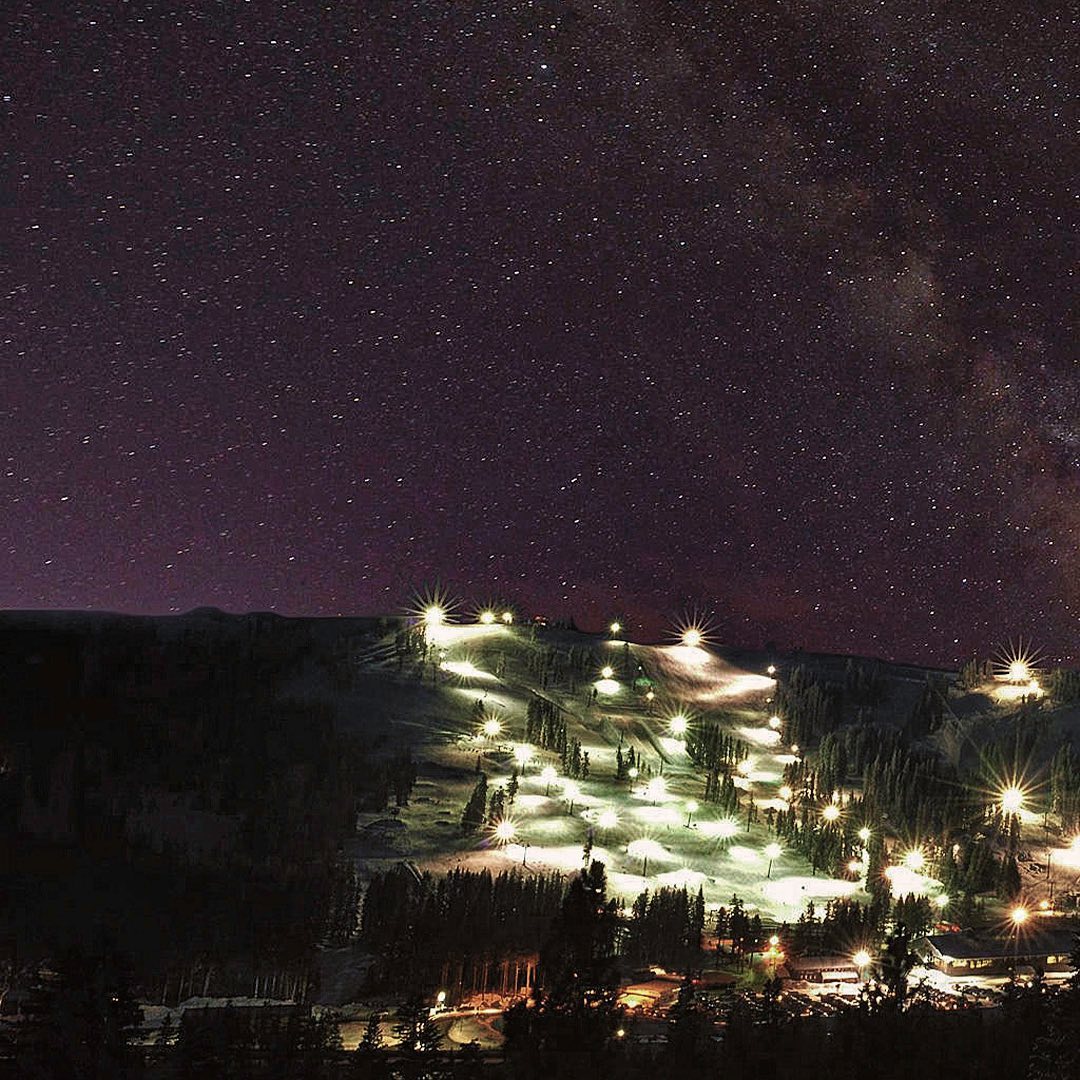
(472, 817)
(415, 1030)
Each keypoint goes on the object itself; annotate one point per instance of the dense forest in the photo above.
(165, 794)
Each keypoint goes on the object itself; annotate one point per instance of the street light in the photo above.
(771, 669)
(831, 813)
(692, 637)
(1019, 915)
(915, 860)
(691, 809)
(607, 672)
(608, 819)
(655, 789)
(785, 793)
(434, 615)
(678, 725)
(633, 772)
(523, 754)
(1012, 800)
(487, 617)
(864, 834)
(570, 792)
(491, 727)
(772, 852)
(775, 722)
(861, 960)
(508, 617)
(504, 831)
(615, 628)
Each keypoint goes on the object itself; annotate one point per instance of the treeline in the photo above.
(552, 666)
(545, 726)
(665, 927)
(1065, 788)
(417, 926)
(1063, 685)
(712, 749)
(808, 706)
(161, 788)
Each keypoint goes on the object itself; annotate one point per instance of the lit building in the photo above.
(973, 954)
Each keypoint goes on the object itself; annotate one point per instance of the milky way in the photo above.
(753, 309)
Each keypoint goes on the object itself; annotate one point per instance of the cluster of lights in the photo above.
(489, 618)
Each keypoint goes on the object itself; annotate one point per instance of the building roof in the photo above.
(969, 946)
(821, 963)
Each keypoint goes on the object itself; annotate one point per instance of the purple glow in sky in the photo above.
(626, 308)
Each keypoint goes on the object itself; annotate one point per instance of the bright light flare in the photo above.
(861, 958)
(773, 851)
(616, 627)
(608, 819)
(1019, 915)
(570, 790)
(692, 638)
(831, 812)
(915, 860)
(491, 727)
(487, 617)
(434, 615)
(607, 672)
(775, 722)
(647, 849)
(1012, 800)
(724, 829)
(679, 724)
(505, 831)
(864, 834)
(523, 753)
(465, 669)
(656, 788)
(507, 617)
(549, 774)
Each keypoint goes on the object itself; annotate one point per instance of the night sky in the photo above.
(638, 307)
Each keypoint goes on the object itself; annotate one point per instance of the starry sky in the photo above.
(641, 307)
